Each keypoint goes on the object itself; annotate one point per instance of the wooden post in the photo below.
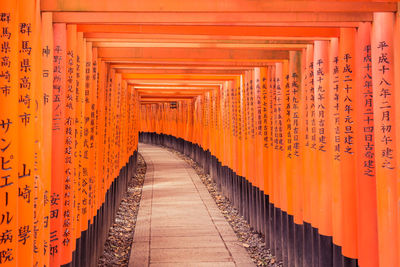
(385, 140)
(9, 73)
(47, 81)
(347, 90)
(365, 151)
(58, 137)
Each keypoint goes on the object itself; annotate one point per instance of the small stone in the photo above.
(119, 241)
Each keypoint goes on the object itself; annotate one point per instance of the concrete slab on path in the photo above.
(178, 222)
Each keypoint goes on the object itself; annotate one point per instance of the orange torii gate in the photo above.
(291, 106)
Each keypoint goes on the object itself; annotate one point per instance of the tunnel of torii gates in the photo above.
(293, 107)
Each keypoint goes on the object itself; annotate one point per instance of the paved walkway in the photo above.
(178, 222)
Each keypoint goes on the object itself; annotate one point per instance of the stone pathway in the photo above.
(178, 222)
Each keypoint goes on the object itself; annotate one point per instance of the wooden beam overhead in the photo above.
(210, 77)
(172, 91)
(166, 98)
(174, 82)
(171, 50)
(191, 54)
(209, 18)
(199, 41)
(170, 94)
(189, 64)
(178, 67)
(288, 31)
(216, 6)
(93, 36)
(149, 102)
(171, 87)
(180, 71)
(122, 44)
(144, 95)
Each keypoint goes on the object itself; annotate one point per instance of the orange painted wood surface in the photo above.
(9, 137)
(299, 100)
(209, 6)
(385, 142)
(58, 137)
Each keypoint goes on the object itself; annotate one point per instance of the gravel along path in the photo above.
(252, 241)
(119, 241)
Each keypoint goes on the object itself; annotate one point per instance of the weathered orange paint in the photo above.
(210, 6)
(385, 141)
(347, 72)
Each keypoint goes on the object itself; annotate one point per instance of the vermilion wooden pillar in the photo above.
(313, 182)
(207, 113)
(245, 144)
(286, 178)
(397, 105)
(385, 140)
(267, 149)
(265, 117)
(79, 124)
(245, 135)
(231, 149)
(347, 74)
(280, 159)
(298, 96)
(309, 173)
(28, 32)
(93, 132)
(38, 201)
(274, 196)
(47, 81)
(237, 131)
(90, 110)
(323, 150)
(334, 115)
(240, 125)
(259, 168)
(251, 148)
(84, 91)
(365, 151)
(68, 221)
(9, 135)
(293, 152)
(58, 136)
